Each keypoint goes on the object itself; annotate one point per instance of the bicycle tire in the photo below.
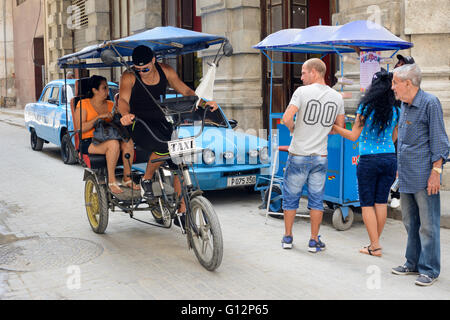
(209, 227)
(96, 203)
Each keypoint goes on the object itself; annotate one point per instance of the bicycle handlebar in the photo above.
(162, 141)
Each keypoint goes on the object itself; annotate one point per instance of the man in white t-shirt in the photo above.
(317, 107)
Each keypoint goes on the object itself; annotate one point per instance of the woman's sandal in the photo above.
(370, 251)
(114, 184)
(128, 183)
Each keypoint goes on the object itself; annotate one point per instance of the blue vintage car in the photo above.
(230, 158)
(46, 119)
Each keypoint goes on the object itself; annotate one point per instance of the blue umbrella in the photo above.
(328, 39)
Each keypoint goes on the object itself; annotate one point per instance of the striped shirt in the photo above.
(422, 140)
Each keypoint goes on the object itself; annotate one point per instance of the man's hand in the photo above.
(127, 119)
(434, 183)
(211, 104)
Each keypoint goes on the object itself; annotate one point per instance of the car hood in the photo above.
(221, 140)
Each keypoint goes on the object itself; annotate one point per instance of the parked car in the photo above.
(46, 119)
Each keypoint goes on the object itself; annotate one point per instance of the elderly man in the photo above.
(318, 107)
(423, 148)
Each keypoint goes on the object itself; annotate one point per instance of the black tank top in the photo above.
(142, 105)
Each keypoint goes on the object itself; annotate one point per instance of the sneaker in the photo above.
(316, 246)
(403, 270)
(286, 242)
(395, 203)
(146, 186)
(183, 221)
(424, 280)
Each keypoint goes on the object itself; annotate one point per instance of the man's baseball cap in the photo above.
(142, 55)
(406, 59)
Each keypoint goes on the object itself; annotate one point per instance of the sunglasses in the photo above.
(142, 70)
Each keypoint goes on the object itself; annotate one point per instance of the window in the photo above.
(19, 2)
(46, 94)
(79, 16)
(55, 95)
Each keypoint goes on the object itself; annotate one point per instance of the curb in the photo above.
(396, 214)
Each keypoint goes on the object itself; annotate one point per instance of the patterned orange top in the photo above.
(91, 114)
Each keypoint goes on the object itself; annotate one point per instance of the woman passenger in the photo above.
(97, 106)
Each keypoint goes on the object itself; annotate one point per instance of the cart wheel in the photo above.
(165, 219)
(339, 222)
(96, 202)
(204, 233)
(67, 150)
(277, 205)
(36, 142)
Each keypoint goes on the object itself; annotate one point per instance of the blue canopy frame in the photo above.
(362, 34)
(164, 41)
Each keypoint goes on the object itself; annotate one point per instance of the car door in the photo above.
(40, 113)
(51, 113)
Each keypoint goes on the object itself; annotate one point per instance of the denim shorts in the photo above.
(311, 170)
(376, 174)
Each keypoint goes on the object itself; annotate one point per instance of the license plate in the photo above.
(241, 181)
(181, 146)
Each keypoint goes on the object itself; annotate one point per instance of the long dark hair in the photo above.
(94, 82)
(379, 98)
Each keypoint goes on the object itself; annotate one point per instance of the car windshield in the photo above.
(212, 119)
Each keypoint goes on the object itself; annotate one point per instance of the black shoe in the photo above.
(183, 221)
(146, 185)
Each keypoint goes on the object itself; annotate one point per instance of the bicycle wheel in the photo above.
(96, 202)
(204, 233)
(164, 219)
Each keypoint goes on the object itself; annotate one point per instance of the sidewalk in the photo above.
(14, 116)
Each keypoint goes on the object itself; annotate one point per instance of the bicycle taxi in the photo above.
(202, 227)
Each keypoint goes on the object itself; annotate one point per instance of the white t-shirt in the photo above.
(318, 106)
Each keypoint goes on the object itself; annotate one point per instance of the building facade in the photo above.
(242, 81)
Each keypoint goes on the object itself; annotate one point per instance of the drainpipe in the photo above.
(4, 45)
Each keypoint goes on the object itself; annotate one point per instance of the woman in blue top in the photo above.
(376, 127)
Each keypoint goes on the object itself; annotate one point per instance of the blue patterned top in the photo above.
(369, 140)
(422, 140)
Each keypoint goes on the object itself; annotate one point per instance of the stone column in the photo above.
(238, 79)
(428, 25)
(7, 70)
(144, 15)
(58, 36)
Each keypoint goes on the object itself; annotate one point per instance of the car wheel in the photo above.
(36, 142)
(67, 150)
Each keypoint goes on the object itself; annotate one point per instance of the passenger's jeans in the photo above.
(421, 217)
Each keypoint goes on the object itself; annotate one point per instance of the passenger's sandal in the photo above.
(115, 184)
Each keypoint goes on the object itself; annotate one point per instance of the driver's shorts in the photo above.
(145, 140)
(300, 170)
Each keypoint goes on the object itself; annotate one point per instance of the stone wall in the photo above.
(58, 36)
(238, 78)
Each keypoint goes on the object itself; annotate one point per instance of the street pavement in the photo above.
(41, 201)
